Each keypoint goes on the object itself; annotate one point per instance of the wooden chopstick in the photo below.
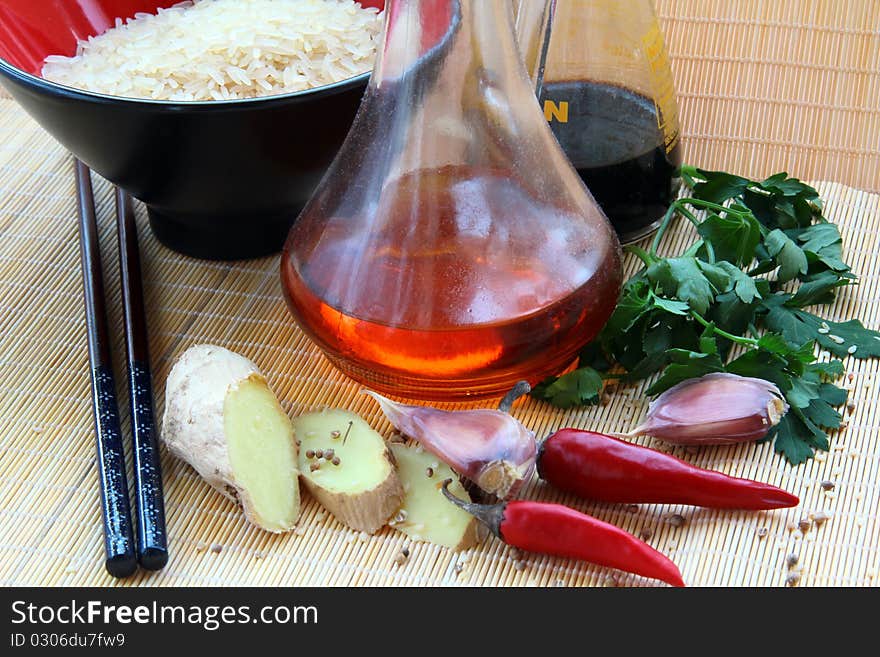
(152, 545)
(118, 535)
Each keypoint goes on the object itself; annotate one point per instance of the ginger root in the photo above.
(222, 418)
(346, 466)
(426, 515)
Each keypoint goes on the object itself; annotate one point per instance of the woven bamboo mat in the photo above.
(819, 118)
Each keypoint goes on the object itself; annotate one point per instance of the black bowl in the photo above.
(221, 180)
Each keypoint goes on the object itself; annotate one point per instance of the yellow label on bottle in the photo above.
(661, 81)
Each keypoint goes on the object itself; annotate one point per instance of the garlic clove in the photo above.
(489, 447)
(715, 409)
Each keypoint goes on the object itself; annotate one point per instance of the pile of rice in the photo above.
(225, 49)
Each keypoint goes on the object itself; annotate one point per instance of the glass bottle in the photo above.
(451, 250)
(609, 97)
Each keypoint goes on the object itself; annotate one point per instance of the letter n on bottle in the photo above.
(556, 112)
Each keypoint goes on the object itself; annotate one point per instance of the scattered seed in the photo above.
(310, 454)
(335, 434)
(328, 454)
(611, 581)
(319, 453)
(836, 339)
(335, 460)
(676, 520)
(300, 530)
(791, 525)
(852, 349)
(216, 548)
(398, 518)
(646, 533)
(457, 568)
(363, 536)
(791, 560)
(827, 485)
(314, 466)
(792, 579)
(762, 532)
(821, 517)
(850, 406)
(201, 547)
(399, 560)
(804, 525)
(632, 508)
(429, 472)
(520, 565)
(850, 376)
(820, 457)
(405, 551)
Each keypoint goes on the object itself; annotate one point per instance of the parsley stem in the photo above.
(680, 206)
(739, 339)
(664, 224)
(687, 174)
(641, 254)
(709, 205)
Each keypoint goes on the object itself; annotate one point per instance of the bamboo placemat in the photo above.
(49, 522)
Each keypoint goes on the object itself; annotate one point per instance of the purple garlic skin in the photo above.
(489, 447)
(715, 409)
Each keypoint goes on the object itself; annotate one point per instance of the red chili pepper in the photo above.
(557, 530)
(599, 467)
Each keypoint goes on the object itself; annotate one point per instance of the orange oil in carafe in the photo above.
(459, 285)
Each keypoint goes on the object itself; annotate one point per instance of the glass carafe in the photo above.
(451, 249)
(609, 97)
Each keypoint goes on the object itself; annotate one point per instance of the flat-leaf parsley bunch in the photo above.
(765, 254)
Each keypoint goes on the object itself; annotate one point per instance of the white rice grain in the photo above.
(225, 49)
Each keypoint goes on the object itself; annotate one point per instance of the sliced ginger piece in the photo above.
(426, 515)
(222, 418)
(347, 467)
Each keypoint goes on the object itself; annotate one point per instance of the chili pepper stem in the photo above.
(490, 515)
(521, 389)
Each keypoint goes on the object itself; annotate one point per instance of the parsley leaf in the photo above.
(683, 278)
(734, 237)
(581, 387)
(797, 326)
(789, 256)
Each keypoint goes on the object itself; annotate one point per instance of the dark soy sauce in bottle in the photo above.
(616, 140)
